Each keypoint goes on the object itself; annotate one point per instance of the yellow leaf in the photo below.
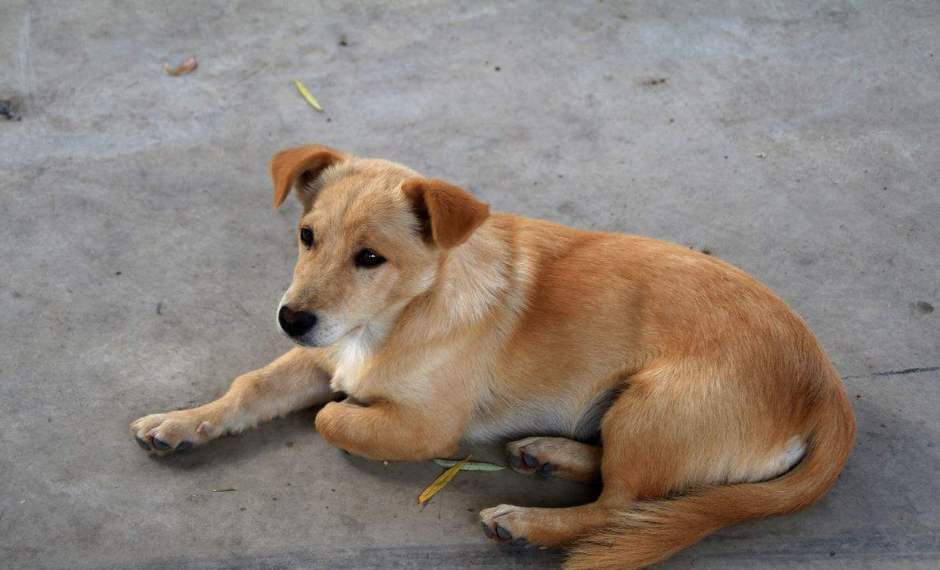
(442, 480)
(302, 89)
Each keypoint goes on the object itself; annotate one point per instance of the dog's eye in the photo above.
(306, 237)
(368, 259)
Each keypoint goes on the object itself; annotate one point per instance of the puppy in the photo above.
(445, 323)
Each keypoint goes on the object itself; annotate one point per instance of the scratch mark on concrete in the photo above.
(907, 371)
(917, 370)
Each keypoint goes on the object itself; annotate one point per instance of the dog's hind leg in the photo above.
(662, 436)
(623, 456)
(644, 445)
(557, 457)
(544, 527)
(296, 380)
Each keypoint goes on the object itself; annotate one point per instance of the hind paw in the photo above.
(555, 456)
(504, 524)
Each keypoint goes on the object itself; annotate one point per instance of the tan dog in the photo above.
(444, 323)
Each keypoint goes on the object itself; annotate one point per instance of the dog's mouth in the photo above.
(350, 334)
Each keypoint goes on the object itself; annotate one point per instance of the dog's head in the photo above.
(371, 239)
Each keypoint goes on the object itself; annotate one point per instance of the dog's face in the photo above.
(370, 241)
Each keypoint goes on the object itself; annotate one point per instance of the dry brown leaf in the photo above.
(188, 66)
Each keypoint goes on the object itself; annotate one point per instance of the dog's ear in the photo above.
(300, 167)
(447, 214)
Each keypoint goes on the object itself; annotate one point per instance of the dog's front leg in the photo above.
(387, 430)
(298, 379)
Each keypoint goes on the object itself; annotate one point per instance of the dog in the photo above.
(692, 392)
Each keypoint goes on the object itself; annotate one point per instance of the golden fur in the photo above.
(714, 401)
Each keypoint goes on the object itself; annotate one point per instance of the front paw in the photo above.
(328, 420)
(171, 431)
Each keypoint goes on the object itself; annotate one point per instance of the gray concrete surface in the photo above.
(140, 262)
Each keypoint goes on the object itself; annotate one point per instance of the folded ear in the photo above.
(301, 167)
(447, 214)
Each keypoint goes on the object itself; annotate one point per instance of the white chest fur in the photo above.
(352, 355)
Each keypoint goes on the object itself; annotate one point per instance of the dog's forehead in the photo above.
(348, 181)
(363, 193)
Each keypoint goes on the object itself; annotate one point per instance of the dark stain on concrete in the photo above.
(10, 109)
(653, 81)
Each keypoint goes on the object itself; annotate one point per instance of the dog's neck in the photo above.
(472, 279)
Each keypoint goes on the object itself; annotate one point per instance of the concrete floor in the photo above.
(140, 261)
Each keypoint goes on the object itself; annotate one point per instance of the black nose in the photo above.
(295, 323)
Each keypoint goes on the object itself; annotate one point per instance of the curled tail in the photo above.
(652, 531)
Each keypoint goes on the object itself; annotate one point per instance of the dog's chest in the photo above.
(352, 356)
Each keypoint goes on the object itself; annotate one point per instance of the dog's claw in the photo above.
(521, 460)
(502, 533)
(171, 431)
